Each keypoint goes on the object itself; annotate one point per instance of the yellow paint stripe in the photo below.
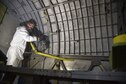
(48, 55)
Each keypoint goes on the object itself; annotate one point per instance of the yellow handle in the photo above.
(48, 55)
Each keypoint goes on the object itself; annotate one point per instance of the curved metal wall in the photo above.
(75, 27)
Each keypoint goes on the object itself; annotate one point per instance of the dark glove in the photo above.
(43, 37)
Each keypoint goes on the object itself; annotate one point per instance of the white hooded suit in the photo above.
(18, 45)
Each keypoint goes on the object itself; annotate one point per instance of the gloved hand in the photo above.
(38, 39)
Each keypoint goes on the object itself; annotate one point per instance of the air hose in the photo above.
(48, 55)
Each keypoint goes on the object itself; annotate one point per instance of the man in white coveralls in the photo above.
(18, 43)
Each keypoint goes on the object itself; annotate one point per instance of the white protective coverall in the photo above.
(18, 45)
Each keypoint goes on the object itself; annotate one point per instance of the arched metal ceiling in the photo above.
(77, 28)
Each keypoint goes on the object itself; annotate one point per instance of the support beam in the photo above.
(67, 75)
(86, 57)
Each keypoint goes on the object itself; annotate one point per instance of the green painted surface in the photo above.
(3, 9)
